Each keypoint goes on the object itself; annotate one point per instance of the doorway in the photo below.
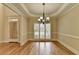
(13, 30)
(42, 31)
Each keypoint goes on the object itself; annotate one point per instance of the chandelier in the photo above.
(43, 19)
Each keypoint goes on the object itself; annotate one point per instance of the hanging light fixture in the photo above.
(43, 19)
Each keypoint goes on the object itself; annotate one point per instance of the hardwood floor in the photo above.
(34, 48)
(8, 48)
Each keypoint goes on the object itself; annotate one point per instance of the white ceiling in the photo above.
(37, 8)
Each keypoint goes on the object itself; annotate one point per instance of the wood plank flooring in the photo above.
(34, 48)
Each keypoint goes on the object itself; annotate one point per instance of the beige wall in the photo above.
(32, 20)
(23, 30)
(1, 22)
(5, 12)
(53, 22)
(22, 23)
(68, 29)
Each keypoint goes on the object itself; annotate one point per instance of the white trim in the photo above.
(67, 11)
(42, 40)
(55, 14)
(54, 39)
(13, 40)
(13, 20)
(69, 47)
(13, 8)
(22, 43)
(4, 42)
(7, 41)
(27, 10)
(1, 41)
(61, 9)
(68, 35)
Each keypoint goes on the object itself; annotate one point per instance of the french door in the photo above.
(42, 31)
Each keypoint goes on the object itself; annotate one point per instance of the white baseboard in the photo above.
(6, 41)
(22, 43)
(1, 41)
(42, 40)
(69, 47)
(54, 39)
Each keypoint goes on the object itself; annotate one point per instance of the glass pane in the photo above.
(42, 31)
(48, 31)
(36, 31)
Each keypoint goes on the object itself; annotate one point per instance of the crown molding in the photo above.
(58, 12)
(61, 9)
(24, 7)
(67, 11)
(12, 7)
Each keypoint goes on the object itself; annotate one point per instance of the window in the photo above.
(42, 31)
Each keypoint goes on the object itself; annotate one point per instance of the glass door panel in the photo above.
(42, 31)
(48, 31)
(36, 31)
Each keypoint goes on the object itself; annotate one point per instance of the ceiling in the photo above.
(36, 9)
